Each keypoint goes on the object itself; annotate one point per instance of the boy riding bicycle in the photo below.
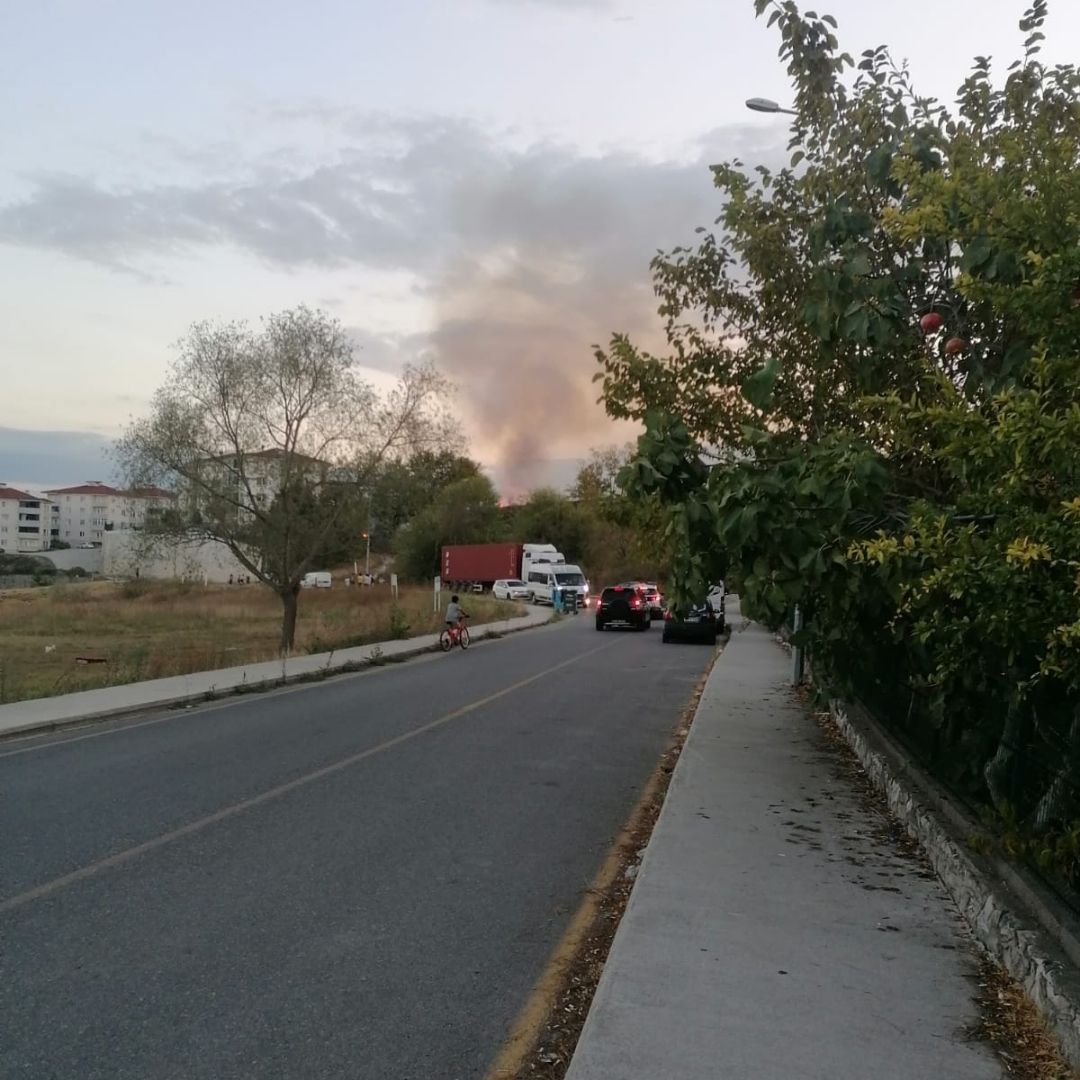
(455, 617)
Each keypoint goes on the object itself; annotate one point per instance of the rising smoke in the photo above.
(559, 249)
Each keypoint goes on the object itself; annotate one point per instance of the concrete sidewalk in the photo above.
(770, 933)
(52, 712)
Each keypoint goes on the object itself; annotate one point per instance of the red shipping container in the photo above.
(480, 562)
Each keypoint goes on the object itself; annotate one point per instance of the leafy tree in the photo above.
(626, 536)
(870, 404)
(549, 517)
(403, 489)
(274, 441)
(466, 512)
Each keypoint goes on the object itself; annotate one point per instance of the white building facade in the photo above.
(25, 521)
(85, 513)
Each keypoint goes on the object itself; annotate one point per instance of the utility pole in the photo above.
(796, 650)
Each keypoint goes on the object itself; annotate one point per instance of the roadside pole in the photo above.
(796, 650)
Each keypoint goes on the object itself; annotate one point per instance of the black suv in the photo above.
(623, 604)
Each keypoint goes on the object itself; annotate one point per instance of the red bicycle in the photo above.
(454, 635)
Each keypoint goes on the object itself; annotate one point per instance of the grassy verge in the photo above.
(150, 630)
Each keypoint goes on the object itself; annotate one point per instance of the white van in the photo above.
(317, 579)
(542, 581)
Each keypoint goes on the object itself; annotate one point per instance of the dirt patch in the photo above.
(1012, 1025)
(547, 1054)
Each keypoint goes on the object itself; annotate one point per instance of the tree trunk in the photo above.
(1003, 772)
(1058, 804)
(289, 604)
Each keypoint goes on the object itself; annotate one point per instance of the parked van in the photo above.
(543, 580)
(317, 579)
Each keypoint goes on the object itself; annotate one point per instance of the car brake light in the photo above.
(635, 602)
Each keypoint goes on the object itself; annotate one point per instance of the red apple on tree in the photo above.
(955, 345)
(930, 322)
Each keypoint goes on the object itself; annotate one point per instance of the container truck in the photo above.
(479, 566)
(475, 567)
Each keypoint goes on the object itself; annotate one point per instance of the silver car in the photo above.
(510, 589)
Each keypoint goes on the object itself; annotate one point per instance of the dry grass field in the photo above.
(148, 630)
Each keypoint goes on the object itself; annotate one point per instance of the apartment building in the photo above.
(85, 513)
(25, 521)
(258, 477)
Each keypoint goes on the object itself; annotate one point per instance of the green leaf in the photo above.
(758, 388)
(879, 165)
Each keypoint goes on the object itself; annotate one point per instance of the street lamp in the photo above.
(767, 105)
(367, 558)
(760, 104)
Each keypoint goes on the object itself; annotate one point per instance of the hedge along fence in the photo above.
(872, 409)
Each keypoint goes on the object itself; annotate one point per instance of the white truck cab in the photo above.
(539, 557)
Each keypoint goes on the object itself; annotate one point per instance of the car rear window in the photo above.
(515, 584)
(618, 592)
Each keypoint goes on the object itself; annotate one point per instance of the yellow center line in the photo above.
(197, 826)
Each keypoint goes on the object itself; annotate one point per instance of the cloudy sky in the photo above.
(482, 181)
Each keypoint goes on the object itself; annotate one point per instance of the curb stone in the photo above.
(1010, 917)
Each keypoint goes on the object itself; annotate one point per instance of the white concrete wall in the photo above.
(90, 559)
(127, 555)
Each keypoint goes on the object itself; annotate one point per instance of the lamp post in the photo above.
(765, 105)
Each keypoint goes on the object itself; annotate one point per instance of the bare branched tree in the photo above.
(273, 441)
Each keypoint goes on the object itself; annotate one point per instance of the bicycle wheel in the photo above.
(446, 642)
(463, 637)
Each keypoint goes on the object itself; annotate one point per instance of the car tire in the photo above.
(599, 625)
(665, 637)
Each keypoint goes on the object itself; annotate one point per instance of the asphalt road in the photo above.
(359, 878)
